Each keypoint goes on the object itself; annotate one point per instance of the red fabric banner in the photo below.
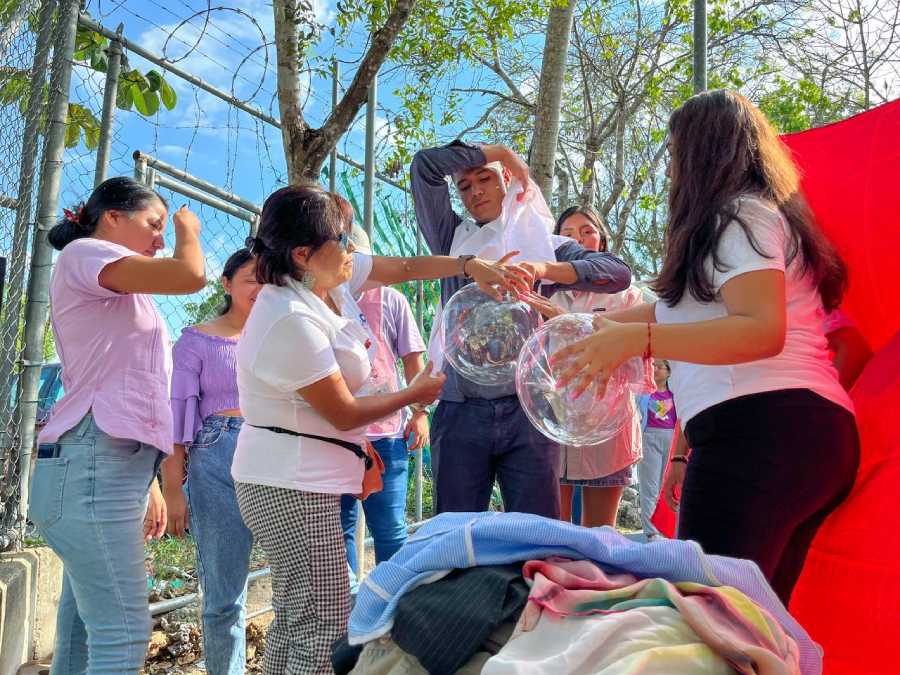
(851, 178)
(848, 597)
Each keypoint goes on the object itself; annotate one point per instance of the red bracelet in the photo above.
(648, 353)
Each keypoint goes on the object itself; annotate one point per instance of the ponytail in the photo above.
(115, 194)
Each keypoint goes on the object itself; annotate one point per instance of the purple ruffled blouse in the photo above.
(204, 380)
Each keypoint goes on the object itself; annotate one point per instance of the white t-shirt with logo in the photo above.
(292, 339)
(804, 362)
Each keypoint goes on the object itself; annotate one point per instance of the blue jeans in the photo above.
(223, 543)
(89, 504)
(479, 440)
(385, 510)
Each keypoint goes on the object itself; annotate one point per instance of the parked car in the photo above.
(50, 391)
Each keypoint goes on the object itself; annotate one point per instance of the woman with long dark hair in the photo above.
(743, 291)
(106, 437)
(207, 418)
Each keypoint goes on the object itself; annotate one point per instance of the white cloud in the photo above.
(172, 151)
(222, 58)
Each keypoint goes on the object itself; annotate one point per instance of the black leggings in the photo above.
(765, 470)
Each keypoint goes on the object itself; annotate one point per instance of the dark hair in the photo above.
(120, 194)
(723, 147)
(235, 262)
(296, 215)
(345, 206)
(591, 214)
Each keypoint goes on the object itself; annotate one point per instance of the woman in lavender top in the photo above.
(102, 446)
(207, 418)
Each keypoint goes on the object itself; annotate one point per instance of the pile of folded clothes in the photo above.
(511, 593)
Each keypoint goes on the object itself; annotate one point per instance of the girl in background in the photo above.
(596, 474)
(207, 418)
(658, 421)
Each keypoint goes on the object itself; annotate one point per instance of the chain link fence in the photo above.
(23, 96)
(168, 127)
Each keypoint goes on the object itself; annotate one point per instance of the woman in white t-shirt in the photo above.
(743, 292)
(303, 354)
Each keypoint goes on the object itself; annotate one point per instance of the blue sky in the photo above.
(204, 135)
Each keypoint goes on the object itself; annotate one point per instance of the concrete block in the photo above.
(30, 584)
(17, 596)
(49, 588)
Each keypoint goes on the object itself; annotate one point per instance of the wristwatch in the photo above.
(463, 259)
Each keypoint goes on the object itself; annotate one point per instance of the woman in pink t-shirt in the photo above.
(105, 439)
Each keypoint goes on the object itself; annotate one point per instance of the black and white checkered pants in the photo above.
(301, 535)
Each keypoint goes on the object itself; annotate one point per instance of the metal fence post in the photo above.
(420, 322)
(16, 282)
(699, 46)
(140, 169)
(360, 537)
(369, 184)
(368, 218)
(110, 92)
(41, 253)
(332, 161)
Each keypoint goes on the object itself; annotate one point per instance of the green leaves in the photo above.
(81, 123)
(14, 85)
(144, 93)
(162, 88)
(91, 48)
(799, 105)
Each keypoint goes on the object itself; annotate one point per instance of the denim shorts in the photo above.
(621, 478)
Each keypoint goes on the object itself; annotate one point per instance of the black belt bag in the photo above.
(347, 445)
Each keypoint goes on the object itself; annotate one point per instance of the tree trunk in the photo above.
(293, 125)
(632, 197)
(305, 148)
(562, 193)
(553, 71)
(618, 184)
(591, 152)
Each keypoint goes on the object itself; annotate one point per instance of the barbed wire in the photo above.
(208, 138)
